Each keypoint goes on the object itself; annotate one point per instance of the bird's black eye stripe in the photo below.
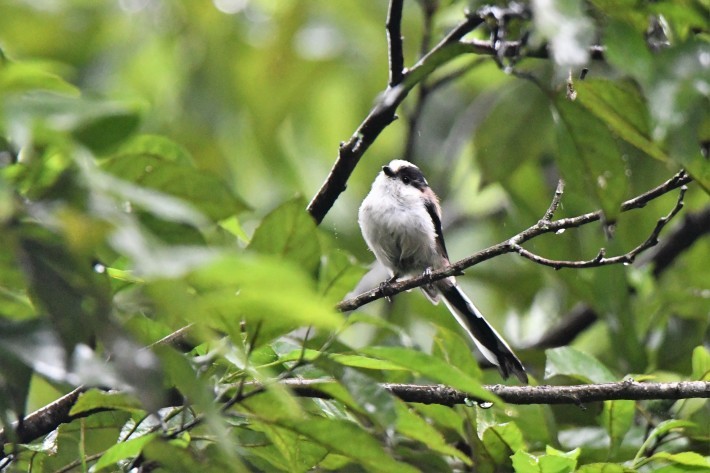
(413, 176)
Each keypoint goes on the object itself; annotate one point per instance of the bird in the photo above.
(400, 220)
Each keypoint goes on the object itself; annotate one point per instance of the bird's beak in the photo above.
(388, 172)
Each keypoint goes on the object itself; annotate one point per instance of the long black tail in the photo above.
(486, 338)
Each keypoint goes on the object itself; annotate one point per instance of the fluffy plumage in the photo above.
(400, 220)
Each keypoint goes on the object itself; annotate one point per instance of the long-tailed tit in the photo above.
(401, 221)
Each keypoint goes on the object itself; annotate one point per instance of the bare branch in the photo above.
(394, 41)
(600, 259)
(554, 205)
(511, 245)
(694, 226)
(576, 394)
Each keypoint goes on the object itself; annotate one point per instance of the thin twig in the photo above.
(394, 41)
(600, 259)
(509, 246)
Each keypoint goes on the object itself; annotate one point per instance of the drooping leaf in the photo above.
(588, 158)
(617, 418)
(410, 424)
(569, 361)
(338, 274)
(122, 450)
(349, 440)
(502, 440)
(289, 232)
(701, 363)
(170, 174)
(691, 459)
(621, 107)
(23, 76)
(660, 430)
(433, 368)
(453, 349)
(102, 133)
(527, 133)
(601, 468)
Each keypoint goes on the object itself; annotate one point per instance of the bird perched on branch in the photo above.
(400, 220)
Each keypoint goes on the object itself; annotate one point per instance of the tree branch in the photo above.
(511, 245)
(394, 41)
(45, 420)
(600, 259)
(576, 394)
(381, 115)
(694, 226)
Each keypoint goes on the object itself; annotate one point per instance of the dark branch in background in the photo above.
(44, 420)
(577, 394)
(394, 41)
(693, 227)
(513, 244)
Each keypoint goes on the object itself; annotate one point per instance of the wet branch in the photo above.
(576, 394)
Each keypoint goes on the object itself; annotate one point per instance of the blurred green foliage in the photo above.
(156, 158)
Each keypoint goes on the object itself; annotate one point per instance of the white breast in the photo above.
(398, 229)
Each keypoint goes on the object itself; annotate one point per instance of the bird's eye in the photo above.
(405, 179)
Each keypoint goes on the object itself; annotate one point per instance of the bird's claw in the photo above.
(386, 288)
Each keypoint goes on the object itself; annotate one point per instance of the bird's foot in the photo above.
(427, 273)
(386, 288)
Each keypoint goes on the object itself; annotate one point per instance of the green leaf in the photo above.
(661, 429)
(64, 283)
(26, 76)
(410, 424)
(617, 418)
(701, 363)
(601, 468)
(432, 368)
(349, 440)
(170, 175)
(527, 133)
(156, 146)
(95, 399)
(359, 361)
(524, 462)
(261, 291)
(627, 50)
(339, 273)
(290, 232)
(120, 451)
(554, 461)
(622, 108)
(588, 158)
(684, 458)
(443, 416)
(500, 440)
(452, 348)
(569, 361)
(376, 402)
(106, 131)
